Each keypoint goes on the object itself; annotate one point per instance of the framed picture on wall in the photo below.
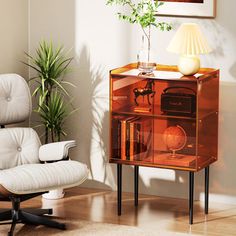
(190, 8)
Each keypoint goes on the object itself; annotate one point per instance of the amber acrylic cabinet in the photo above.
(164, 120)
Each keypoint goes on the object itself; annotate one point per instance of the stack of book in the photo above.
(132, 138)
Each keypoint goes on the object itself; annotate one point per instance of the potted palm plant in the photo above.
(50, 65)
(143, 13)
(52, 99)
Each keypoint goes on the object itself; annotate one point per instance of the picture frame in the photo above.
(188, 8)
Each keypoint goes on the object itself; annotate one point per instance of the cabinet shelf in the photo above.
(128, 111)
(166, 160)
(205, 161)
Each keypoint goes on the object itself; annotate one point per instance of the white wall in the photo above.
(100, 42)
(14, 36)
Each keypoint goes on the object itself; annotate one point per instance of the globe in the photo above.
(175, 138)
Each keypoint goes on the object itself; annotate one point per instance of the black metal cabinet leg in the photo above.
(119, 188)
(207, 170)
(136, 179)
(191, 196)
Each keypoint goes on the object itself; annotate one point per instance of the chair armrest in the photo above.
(55, 151)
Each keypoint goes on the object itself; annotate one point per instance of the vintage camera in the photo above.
(178, 101)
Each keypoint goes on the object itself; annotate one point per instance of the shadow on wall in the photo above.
(92, 127)
(173, 183)
(216, 42)
(233, 70)
(222, 43)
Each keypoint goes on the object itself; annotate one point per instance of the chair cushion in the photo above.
(18, 146)
(15, 99)
(33, 178)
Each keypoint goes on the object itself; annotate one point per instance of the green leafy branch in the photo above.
(143, 13)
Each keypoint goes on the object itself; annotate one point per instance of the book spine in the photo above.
(119, 140)
(132, 140)
(138, 143)
(147, 137)
(116, 128)
(142, 145)
(123, 140)
(125, 137)
(127, 150)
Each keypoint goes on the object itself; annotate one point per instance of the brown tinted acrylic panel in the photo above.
(127, 95)
(146, 132)
(207, 120)
(175, 132)
(132, 127)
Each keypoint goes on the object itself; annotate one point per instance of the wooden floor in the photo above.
(153, 213)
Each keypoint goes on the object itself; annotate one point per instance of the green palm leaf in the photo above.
(50, 65)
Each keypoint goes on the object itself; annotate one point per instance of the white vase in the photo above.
(54, 194)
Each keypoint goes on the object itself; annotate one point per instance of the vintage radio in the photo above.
(178, 101)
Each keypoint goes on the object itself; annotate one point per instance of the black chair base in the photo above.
(28, 216)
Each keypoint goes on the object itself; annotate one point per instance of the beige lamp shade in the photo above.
(189, 40)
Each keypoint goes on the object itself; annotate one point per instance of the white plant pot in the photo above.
(54, 194)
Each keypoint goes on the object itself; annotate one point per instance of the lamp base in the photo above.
(189, 65)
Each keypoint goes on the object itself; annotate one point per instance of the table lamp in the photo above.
(189, 42)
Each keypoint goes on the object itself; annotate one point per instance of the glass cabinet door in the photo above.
(132, 104)
(175, 142)
(207, 120)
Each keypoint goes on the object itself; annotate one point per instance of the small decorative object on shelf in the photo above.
(142, 109)
(189, 41)
(169, 129)
(175, 139)
(178, 100)
(146, 91)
